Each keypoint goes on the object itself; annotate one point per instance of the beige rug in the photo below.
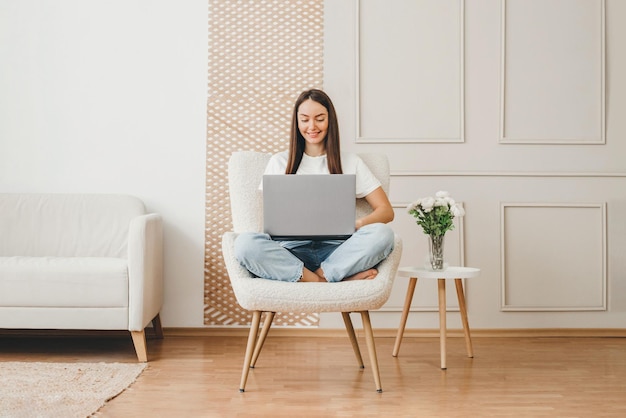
(61, 389)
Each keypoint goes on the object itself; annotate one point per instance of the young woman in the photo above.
(314, 149)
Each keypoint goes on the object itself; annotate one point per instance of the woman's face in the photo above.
(312, 121)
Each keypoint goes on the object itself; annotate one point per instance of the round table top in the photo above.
(451, 272)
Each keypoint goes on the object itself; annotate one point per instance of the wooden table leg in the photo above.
(405, 315)
(462, 307)
(441, 285)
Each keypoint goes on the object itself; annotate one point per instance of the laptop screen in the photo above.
(302, 207)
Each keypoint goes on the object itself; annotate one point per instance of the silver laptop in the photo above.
(302, 207)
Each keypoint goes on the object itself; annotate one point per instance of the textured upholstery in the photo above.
(276, 296)
(244, 176)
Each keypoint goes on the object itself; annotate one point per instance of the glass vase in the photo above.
(435, 247)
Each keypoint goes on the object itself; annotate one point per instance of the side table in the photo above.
(456, 273)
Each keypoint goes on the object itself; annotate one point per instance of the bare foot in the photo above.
(364, 275)
(309, 276)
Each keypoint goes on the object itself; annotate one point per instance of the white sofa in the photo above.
(81, 262)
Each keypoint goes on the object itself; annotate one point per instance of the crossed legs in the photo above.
(316, 261)
(318, 275)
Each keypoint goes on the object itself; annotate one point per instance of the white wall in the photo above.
(544, 193)
(110, 97)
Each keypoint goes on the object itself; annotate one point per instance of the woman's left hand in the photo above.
(382, 209)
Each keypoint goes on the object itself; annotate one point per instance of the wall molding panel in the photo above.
(528, 98)
(404, 173)
(417, 47)
(552, 81)
(548, 247)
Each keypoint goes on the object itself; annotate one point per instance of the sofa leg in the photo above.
(156, 325)
(139, 340)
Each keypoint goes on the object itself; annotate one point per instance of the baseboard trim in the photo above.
(408, 333)
(72, 333)
(334, 332)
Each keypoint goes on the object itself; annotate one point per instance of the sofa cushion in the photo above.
(66, 225)
(63, 282)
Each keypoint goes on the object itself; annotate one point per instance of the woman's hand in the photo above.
(382, 209)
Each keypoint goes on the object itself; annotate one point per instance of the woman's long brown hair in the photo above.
(297, 142)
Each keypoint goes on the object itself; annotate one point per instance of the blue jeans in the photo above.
(284, 260)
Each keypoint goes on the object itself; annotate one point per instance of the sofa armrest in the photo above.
(145, 270)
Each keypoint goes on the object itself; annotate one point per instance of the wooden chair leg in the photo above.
(405, 314)
(139, 340)
(269, 317)
(369, 338)
(156, 324)
(355, 344)
(252, 336)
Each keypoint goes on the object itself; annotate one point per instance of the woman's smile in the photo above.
(313, 121)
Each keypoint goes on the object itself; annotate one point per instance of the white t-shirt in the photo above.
(351, 163)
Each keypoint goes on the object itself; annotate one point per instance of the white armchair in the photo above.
(259, 295)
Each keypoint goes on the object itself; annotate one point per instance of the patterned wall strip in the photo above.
(262, 54)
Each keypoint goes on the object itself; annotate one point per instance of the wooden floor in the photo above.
(319, 377)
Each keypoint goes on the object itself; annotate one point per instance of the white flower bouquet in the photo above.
(435, 214)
